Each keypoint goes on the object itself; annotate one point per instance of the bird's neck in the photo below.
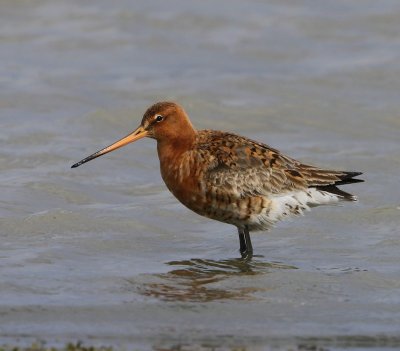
(170, 149)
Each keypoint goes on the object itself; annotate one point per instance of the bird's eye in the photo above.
(159, 118)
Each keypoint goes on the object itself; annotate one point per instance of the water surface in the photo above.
(105, 254)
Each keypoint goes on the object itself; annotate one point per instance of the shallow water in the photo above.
(105, 254)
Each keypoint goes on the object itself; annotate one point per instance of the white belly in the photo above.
(289, 205)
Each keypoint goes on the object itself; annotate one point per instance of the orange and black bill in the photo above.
(130, 138)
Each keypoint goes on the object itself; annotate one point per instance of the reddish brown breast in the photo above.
(183, 174)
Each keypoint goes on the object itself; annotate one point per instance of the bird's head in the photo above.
(163, 121)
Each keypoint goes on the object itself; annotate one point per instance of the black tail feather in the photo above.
(346, 178)
(334, 190)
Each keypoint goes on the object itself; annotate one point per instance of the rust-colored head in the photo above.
(167, 122)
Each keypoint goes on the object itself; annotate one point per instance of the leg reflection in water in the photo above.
(202, 280)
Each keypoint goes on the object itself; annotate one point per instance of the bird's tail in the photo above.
(345, 178)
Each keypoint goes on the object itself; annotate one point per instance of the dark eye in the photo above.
(159, 118)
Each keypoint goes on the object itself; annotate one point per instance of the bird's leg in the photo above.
(249, 249)
(246, 249)
(242, 241)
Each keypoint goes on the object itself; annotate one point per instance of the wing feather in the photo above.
(247, 168)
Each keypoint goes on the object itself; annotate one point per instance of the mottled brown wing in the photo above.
(245, 167)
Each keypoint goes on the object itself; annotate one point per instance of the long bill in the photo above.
(137, 134)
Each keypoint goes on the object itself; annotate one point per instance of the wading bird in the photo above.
(231, 178)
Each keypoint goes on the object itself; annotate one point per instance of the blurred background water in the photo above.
(105, 254)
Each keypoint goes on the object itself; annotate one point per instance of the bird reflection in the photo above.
(201, 280)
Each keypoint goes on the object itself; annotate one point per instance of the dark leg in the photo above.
(242, 241)
(246, 249)
(248, 241)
